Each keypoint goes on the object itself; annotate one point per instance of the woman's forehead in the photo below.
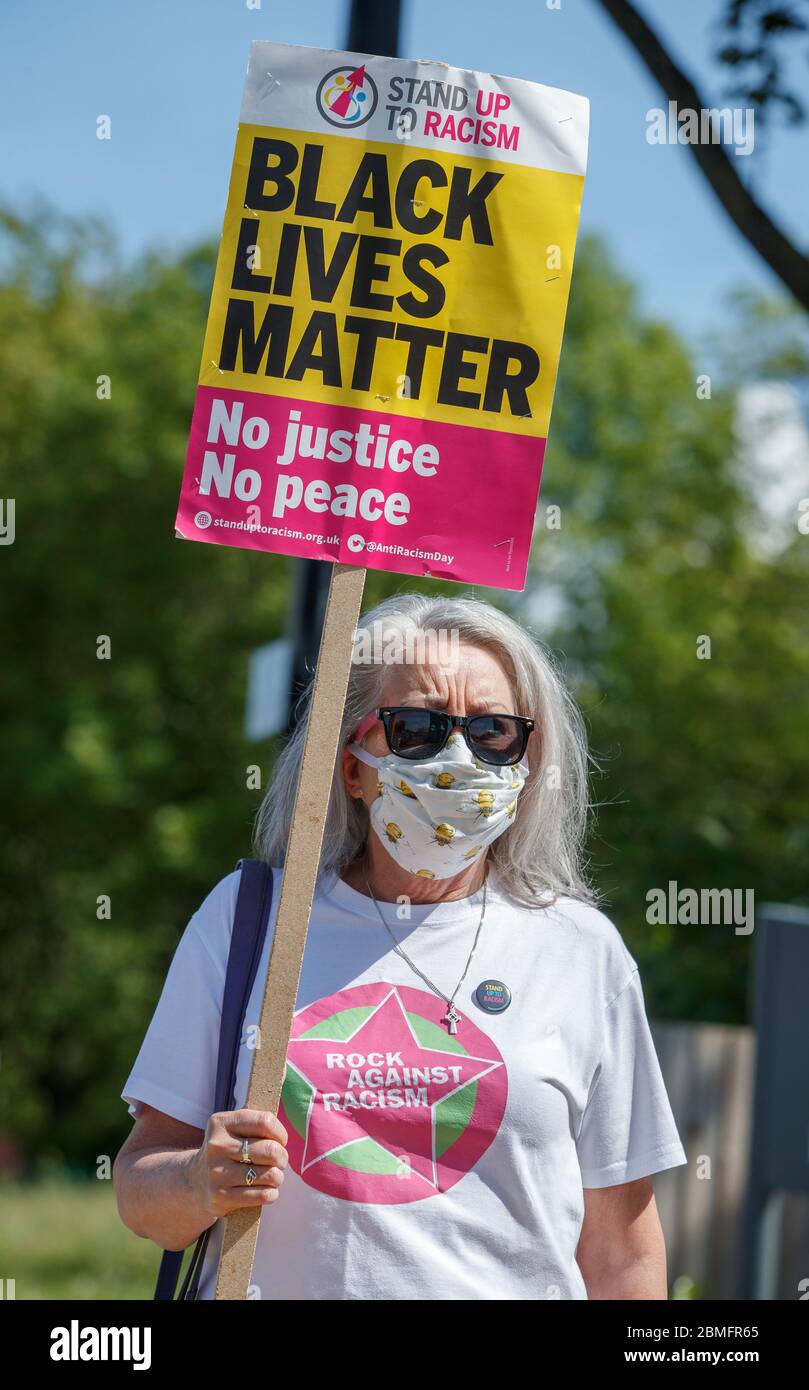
(476, 675)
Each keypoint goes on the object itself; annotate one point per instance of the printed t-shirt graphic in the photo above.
(380, 1102)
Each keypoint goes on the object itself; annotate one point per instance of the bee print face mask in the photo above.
(435, 817)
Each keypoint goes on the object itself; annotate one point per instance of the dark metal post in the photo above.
(779, 1147)
(373, 27)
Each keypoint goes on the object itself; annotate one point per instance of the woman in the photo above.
(473, 1105)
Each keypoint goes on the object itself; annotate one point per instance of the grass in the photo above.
(63, 1238)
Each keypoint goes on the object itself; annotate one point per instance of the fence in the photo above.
(709, 1071)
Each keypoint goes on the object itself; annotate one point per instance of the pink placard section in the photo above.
(363, 487)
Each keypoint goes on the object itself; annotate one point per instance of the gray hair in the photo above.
(539, 857)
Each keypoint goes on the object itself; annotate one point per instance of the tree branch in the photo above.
(788, 263)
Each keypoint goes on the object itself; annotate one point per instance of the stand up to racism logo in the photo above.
(347, 97)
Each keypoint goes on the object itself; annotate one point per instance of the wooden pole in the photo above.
(297, 891)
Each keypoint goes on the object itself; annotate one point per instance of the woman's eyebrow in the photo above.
(433, 702)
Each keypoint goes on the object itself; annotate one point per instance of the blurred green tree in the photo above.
(705, 762)
(126, 777)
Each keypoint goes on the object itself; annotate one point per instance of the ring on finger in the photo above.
(244, 1156)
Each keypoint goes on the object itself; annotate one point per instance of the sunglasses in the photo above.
(418, 733)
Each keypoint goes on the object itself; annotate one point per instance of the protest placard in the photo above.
(386, 317)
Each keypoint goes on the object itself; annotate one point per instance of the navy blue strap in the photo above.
(247, 941)
(168, 1274)
(246, 944)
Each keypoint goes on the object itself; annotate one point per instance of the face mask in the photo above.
(435, 817)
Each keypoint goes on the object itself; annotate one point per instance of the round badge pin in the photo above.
(493, 996)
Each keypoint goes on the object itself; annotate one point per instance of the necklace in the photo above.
(451, 1017)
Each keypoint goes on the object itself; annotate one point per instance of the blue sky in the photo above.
(170, 75)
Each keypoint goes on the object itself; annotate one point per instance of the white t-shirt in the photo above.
(427, 1165)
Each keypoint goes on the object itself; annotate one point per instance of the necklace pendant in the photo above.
(451, 1019)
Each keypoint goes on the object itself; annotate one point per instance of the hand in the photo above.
(218, 1174)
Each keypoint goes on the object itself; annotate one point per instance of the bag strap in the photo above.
(247, 942)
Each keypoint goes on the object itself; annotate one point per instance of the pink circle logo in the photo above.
(347, 96)
(380, 1102)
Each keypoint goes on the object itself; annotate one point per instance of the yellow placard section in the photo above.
(394, 278)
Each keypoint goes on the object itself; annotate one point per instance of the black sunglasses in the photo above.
(418, 733)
